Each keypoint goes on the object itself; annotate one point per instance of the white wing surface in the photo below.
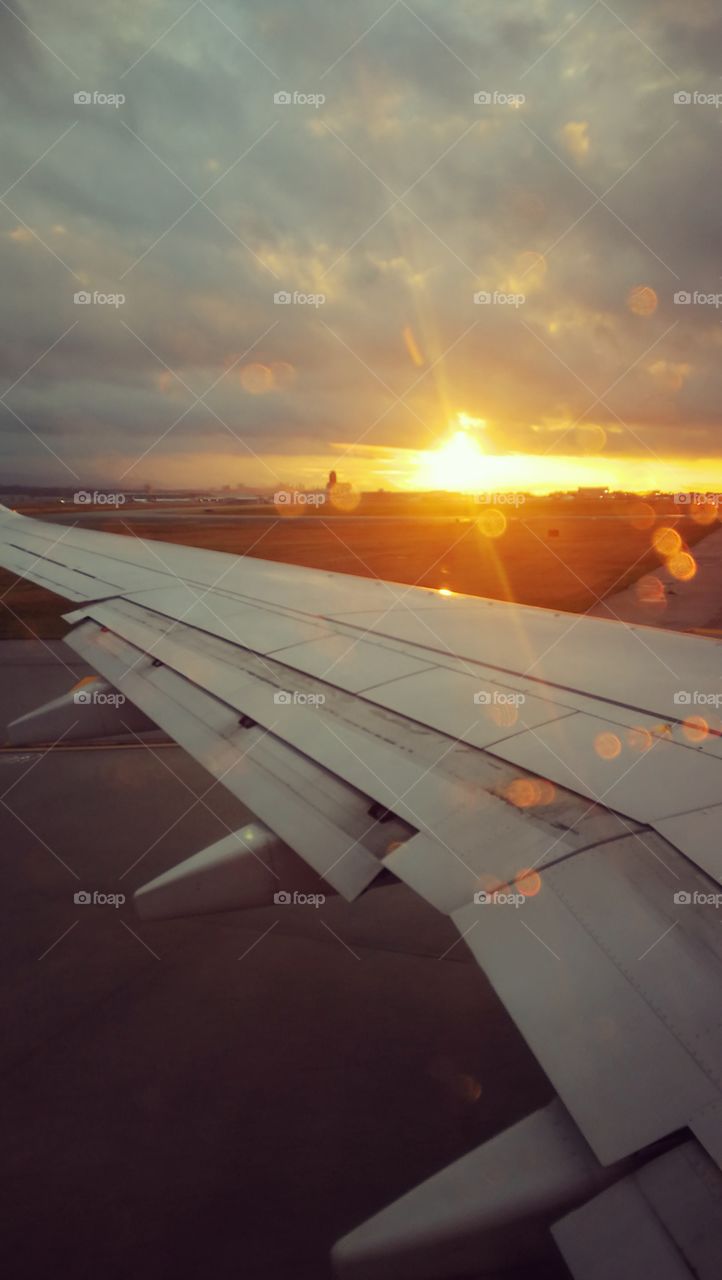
(553, 783)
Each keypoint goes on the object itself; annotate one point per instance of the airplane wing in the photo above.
(551, 782)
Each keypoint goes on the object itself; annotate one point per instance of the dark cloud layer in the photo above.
(304, 198)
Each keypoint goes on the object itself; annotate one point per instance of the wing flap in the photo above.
(584, 754)
(664, 1220)
(697, 835)
(282, 787)
(615, 985)
(421, 777)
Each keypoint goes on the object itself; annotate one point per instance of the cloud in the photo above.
(397, 199)
(575, 136)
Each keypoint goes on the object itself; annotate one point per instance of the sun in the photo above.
(458, 464)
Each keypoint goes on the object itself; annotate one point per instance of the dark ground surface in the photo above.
(173, 1110)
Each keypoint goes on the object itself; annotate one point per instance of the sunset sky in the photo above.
(577, 210)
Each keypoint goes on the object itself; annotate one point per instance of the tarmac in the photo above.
(222, 1096)
(678, 606)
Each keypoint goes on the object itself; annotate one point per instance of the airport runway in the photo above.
(227, 1096)
(678, 606)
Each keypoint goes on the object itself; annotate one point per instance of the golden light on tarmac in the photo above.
(695, 729)
(642, 300)
(344, 498)
(528, 882)
(650, 590)
(642, 516)
(666, 541)
(639, 739)
(444, 591)
(704, 512)
(607, 746)
(492, 523)
(682, 566)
